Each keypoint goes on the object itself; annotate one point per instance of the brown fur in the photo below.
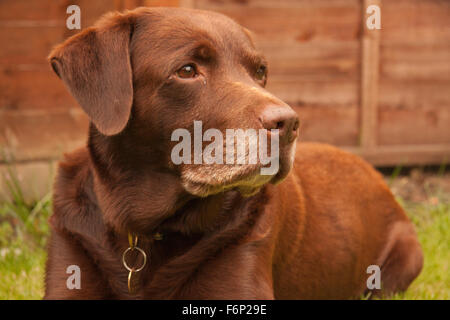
(228, 233)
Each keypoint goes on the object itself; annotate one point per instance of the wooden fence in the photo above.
(384, 94)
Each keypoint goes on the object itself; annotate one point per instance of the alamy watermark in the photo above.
(74, 280)
(241, 147)
(374, 20)
(74, 20)
(374, 280)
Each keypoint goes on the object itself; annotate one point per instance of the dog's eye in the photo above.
(261, 72)
(187, 71)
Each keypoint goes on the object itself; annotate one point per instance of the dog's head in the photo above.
(174, 86)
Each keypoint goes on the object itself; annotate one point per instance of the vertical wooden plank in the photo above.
(161, 3)
(187, 3)
(131, 4)
(118, 5)
(370, 56)
(128, 4)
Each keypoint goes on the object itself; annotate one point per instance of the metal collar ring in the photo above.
(125, 262)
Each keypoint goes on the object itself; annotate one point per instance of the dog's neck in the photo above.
(99, 209)
(124, 190)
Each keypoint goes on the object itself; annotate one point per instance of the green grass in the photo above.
(433, 226)
(23, 235)
(24, 232)
(22, 272)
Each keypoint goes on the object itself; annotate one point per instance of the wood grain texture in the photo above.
(337, 126)
(369, 80)
(405, 155)
(411, 126)
(298, 4)
(414, 95)
(41, 135)
(49, 11)
(415, 21)
(309, 23)
(32, 87)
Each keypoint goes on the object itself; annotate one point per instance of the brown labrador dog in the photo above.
(228, 232)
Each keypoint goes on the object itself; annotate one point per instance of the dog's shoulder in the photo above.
(72, 192)
(74, 163)
(76, 228)
(73, 174)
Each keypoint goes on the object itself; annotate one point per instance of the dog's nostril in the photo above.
(282, 118)
(296, 125)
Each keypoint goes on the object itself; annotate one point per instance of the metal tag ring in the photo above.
(125, 262)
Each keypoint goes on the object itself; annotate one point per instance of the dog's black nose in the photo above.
(282, 118)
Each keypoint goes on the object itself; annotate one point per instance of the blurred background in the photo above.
(383, 94)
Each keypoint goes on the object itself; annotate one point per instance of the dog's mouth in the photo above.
(205, 180)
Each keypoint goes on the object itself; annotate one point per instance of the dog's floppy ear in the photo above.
(95, 66)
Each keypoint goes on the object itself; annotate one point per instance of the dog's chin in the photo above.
(286, 163)
(207, 180)
(283, 172)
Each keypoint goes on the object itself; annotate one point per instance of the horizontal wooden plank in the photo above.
(414, 94)
(160, 3)
(29, 29)
(23, 45)
(413, 112)
(51, 10)
(319, 92)
(336, 60)
(248, 4)
(405, 155)
(41, 135)
(309, 23)
(34, 87)
(415, 21)
(426, 125)
(417, 61)
(31, 45)
(338, 126)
